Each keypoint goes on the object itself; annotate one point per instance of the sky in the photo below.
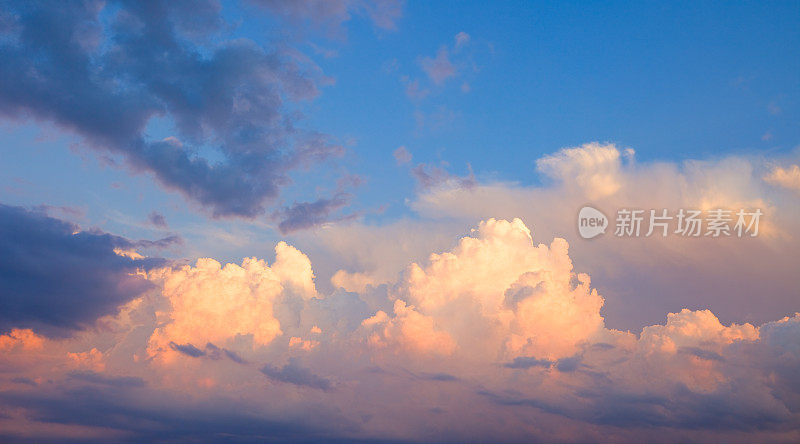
(207, 205)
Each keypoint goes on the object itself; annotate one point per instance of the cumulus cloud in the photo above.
(231, 302)
(409, 329)
(355, 282)
(233, 95)
(483, 340)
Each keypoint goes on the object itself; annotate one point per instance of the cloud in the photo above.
(483, 339)
(431, 176)
(303, 215)
(187, 349)
(438, 68)
(402, 156)
(57, 278)
(157, 219)
(647, 276)
(788, 178)
(433, 334)
(415, 91)
(23, 339)
(592, 167)
(209, 303)
(331, 14)
(232, 96)
(448, 63)
(462, 39)
(355, 282)
(162, 243)
(525, 362)
(408, 329)
(503, 287)
(100, 379)
(294, 374)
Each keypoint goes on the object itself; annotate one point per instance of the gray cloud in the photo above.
(157, 219)
(302, 215)
(54, 280)
(187, 349)
(524, 362)
(106, 79)
(293, 373)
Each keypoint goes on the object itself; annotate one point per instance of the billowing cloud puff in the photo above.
(409, 329)
(552, 318)
(500, 283)
(209, 303)
(693, 329)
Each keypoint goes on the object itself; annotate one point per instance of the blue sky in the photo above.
(674, 82)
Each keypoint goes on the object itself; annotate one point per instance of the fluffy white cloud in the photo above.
(216, 304)
(409, 329)
(498, 283)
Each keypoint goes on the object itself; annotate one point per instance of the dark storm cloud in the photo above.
(293, 373)
(104, 70)
(53, 280)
